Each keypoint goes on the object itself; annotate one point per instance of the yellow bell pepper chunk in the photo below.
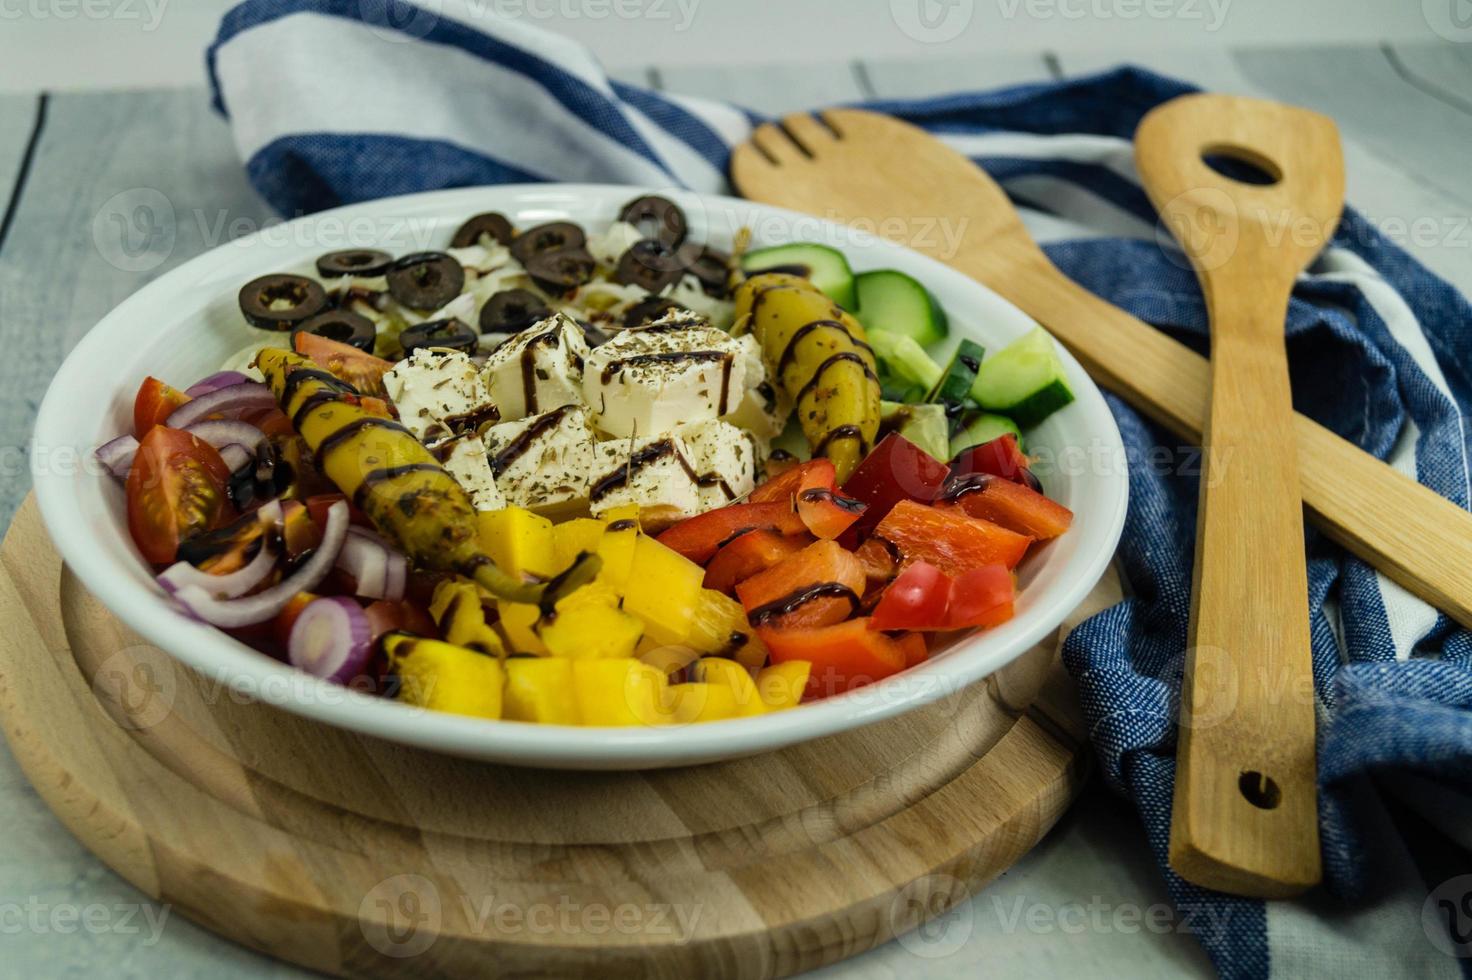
(591, 630)
(443, 677)
(572, 538)
(666, 657)
(540, 689)
(519, 624)
(457, 610)
(781, 685)
(623, 512)
(718, 670)
(696, 702)
(616, 548)
(719, 628)
(619, 691)
(519, 541)
(663, 591)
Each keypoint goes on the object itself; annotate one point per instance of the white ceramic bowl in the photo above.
(182, 326)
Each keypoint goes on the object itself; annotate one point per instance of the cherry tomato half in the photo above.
(176, 490)
(154, 403)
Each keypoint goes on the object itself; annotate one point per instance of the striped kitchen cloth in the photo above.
(337, 101)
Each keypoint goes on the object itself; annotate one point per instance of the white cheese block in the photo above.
(439, 394)
(610, 246)
(538, 369)
(653, 472)
(723, 458)
(542, 462)
(763, 409)
(647, 381)
(468, 463)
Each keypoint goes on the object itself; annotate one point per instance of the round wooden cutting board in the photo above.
(359, 857)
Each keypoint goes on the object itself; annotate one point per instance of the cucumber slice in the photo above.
(954, 386)
(982, 428)
(890, 300)
(1024, 380)
(903, 362)
(826, 267)
(924, 425)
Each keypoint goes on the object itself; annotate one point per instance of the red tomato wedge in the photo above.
(698, 538)
(894, 470)
(176, 490)
(916, 600)
(815, 587)
(1015, 506)
(346, 363)
(153, 404)
(752, 552)
(843, 656)
(1000, 457)
(950, 539)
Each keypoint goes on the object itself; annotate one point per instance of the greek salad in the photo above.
(595, 479)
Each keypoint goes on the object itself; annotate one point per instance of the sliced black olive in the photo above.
(553, 237)
(709, 266)
(449, 333)
(648, 263)
(648, 310)
(561, 270)
(491, 223)
(343, 326)
(280, 302)
(354, 262)
(512, 311)
(656, 217)
(426, 280)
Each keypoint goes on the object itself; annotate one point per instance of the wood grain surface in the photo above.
(1245, 814)
(358, 857)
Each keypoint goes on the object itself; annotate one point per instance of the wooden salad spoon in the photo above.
(1245, 817)
(873, 170)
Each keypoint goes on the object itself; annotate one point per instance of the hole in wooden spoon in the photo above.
(1259, 790)
(1242, 165)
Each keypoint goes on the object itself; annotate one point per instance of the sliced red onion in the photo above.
(236, 583)
(118, 454)
(225, 432)
(247, 396)
(216, 381)
(378, 569)
(331, 639)
(257, 608)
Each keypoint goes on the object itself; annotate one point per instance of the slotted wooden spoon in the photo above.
(856, 166)
(1245, 818)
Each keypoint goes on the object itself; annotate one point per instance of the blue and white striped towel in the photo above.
(336, 101)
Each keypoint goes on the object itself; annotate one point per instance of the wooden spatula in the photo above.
(1245, 818)
(856, 166)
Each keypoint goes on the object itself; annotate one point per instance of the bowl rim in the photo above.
(230, 663)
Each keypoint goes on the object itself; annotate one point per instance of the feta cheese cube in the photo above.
(723, 458)
(651, 471)
(538, 369)
(439, 394)
(649, 380)
(468, 463)
(542, 462)
(763, 409)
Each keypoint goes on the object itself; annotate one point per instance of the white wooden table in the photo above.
(1088, 900)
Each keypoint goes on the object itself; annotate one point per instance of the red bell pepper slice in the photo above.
(1000, 457)
(753, 552)
(981, 597)
(843, 655)
(894, 470)
(914, 647)
(813, 487)
(880, 563)
(698, 538)
(815, 587)
(1015, 506)
(950, 539)
(916, 600)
